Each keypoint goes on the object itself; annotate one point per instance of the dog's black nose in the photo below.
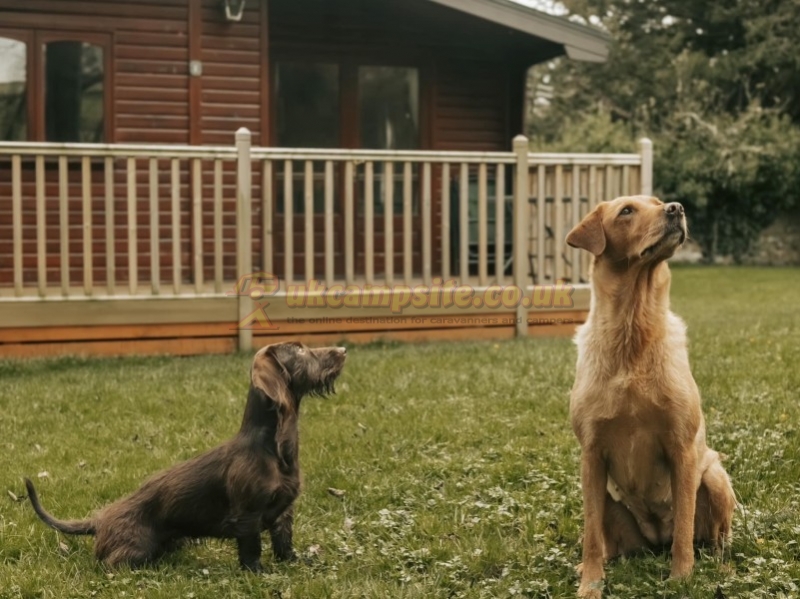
(673, 209)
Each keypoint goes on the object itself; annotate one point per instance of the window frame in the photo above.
(35, 39)
(26, 37)
(350, 117)
(349, 106)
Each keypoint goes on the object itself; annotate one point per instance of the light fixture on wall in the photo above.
(234, 9)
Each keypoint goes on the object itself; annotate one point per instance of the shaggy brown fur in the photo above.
(648, 477)
(237, 490)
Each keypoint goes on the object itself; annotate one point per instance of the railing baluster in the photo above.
(244, 232)
(592, 203)
(175, 181)
(349, 225)
(646, 166)
(427, 257)
(609, 173)
(483, 225)
(500, 224)
(592, 187)
(16, 220)
(329, 274)
(388, 220)
(558, 229)
(197, 224)
(218, 226)
(445, 221)
(41, 258)
(267, 253)
(626, 183)
(541, 231)
(308, 209)
(576, 217)
(521, 217)
(369, 241)
(133, 254)
(63, 213)
(111, 266)
(408, 263)
(288, 222)
(86, 184)
(155, 235)
(463, 224)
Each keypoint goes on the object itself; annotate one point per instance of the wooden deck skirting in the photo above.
(190, 326)
(220, 337)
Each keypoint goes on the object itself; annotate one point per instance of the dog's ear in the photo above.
(588, 234)
(269, 376)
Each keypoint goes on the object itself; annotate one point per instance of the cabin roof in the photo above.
(581, 42)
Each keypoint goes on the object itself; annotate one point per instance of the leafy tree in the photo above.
(717, 87)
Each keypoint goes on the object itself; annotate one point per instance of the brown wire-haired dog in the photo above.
(237, 490)
(647, 475)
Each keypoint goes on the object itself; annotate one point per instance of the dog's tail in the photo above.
(72, 527)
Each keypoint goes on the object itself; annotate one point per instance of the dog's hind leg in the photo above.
(281, 534)
(715, 505)
(136, 549)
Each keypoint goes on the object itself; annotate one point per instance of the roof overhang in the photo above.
(580, 42)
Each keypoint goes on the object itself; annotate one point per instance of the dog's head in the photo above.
(286, 372)
(631, 230)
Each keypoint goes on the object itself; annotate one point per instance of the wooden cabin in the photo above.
(158, 88)
(379, 74)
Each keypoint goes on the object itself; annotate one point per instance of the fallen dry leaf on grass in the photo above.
(336, 492)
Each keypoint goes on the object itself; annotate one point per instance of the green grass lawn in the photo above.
(459, 467)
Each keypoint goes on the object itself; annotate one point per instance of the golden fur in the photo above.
(647, 475)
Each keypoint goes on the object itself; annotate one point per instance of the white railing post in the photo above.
(646, 153)
(244, 264)
(520, 225)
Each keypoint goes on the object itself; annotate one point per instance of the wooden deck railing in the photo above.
(81, 221)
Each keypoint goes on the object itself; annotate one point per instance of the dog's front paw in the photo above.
(290, 556)
(591, 590)
(255, 567)
(681, 568)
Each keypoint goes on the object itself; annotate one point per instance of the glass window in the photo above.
(388, 98)
(307, 105)
(74, 106)
(307, 117)
(13, 90)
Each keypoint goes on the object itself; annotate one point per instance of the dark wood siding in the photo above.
(152, 40)
(150, 50)
(232, 72)
(471, 110)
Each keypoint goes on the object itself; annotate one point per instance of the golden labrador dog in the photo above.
(647, 475)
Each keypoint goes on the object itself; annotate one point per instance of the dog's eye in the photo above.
(626, 211)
